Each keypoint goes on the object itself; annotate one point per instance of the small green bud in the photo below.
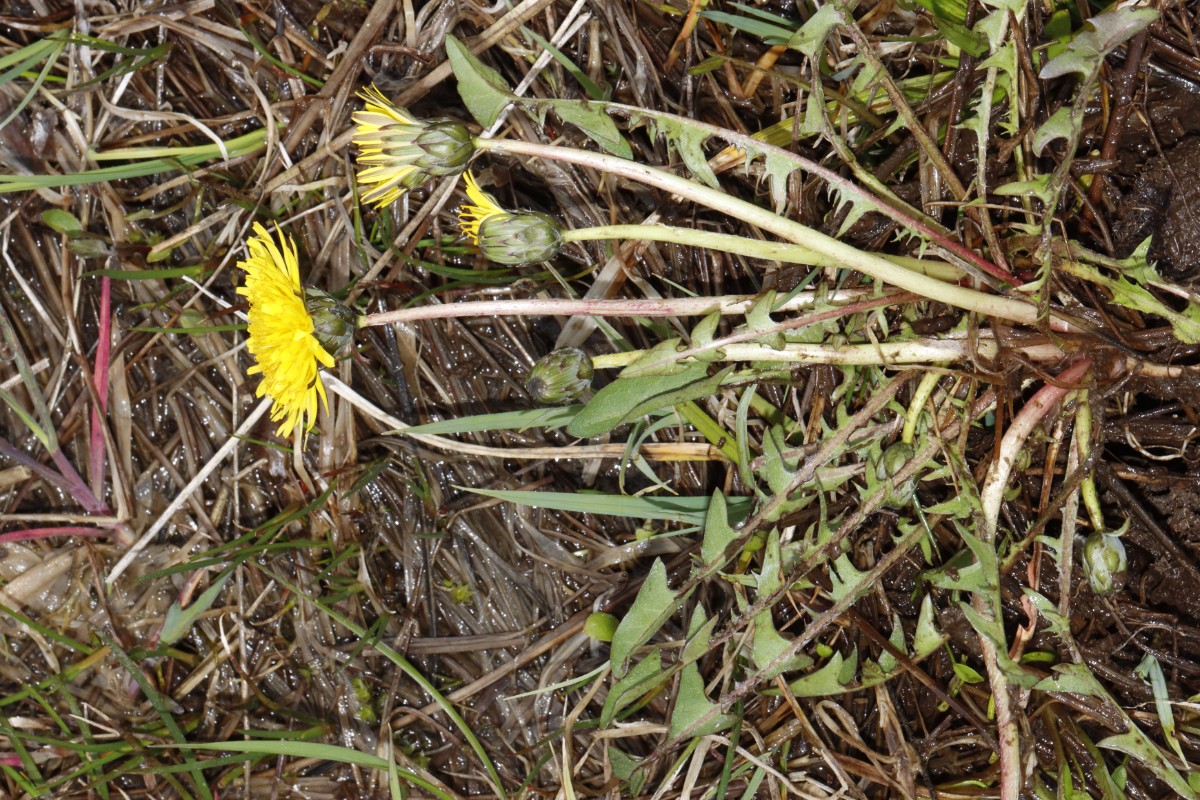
(1104, 562)
(601, 626)
(519, 238)
(894, 459)
(560, 377)
(447, 147)
(333, 323)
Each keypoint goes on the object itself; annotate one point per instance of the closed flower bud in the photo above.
(601, 626)
(524, 238)
(446, 147)
(1104, 562)
(562, 376)
(333, 323)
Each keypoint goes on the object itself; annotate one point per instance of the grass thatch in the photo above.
(355, 623)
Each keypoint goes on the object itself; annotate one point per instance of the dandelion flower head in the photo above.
(481, 208)
(398, 152)
(285, 351)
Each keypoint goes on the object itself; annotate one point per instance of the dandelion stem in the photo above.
(663, 307)
(1009, 308)
(786, 252)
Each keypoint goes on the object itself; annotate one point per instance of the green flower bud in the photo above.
(560, 377)
(446, 147)
(894, 459)
(601, 626)
(1104, 562)
(333, 323)
(519, 238)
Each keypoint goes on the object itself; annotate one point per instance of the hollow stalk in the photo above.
(842, 254)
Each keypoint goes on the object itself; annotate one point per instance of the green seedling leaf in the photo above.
(688, 141)
(89, 247)
(967, 674)
(768, 643)
(847, 580)
(1185, 324)
(708, 65)
(626, 399)
(1038, 186)
(483, 90)
(178, 621)
(691, 703)
(627, 768)
(810, 39)
(927, 638)
(592, 119)
(549, 418)
(718, 533)
(1061, 125)
(994, 631)
(1135, 743)
(1103, 33)
(946, 10)
(702, 336)
(1151, 672)
(832, 679)
(62, 221)
(654, 605)
(1075, 678)
(645, 676)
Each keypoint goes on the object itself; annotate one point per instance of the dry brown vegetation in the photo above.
(341, 567)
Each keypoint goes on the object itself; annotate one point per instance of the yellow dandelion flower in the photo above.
(482, 206)
(398, 152)
(286, 353)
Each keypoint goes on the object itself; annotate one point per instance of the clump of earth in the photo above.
(1165, 205)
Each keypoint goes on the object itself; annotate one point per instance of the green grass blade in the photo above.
(412, 672)
(319, 752)
(687, 510)
(503, 421)
(162, 709)
(181, 158)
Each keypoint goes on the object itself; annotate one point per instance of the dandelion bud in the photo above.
(1104, 562)
(398, 152)
(560, 377)
(519, 238)
(601, 626)
(446, 147)
(333, 323)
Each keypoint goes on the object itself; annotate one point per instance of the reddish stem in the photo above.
(100, 374)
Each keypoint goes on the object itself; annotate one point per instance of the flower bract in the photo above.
(398, 152)
(286, 353)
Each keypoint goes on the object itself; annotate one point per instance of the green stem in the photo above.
(920, 397)
(1087, 487)
(656, 307)
(908, 352)
(844, 255)
(785, 252)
